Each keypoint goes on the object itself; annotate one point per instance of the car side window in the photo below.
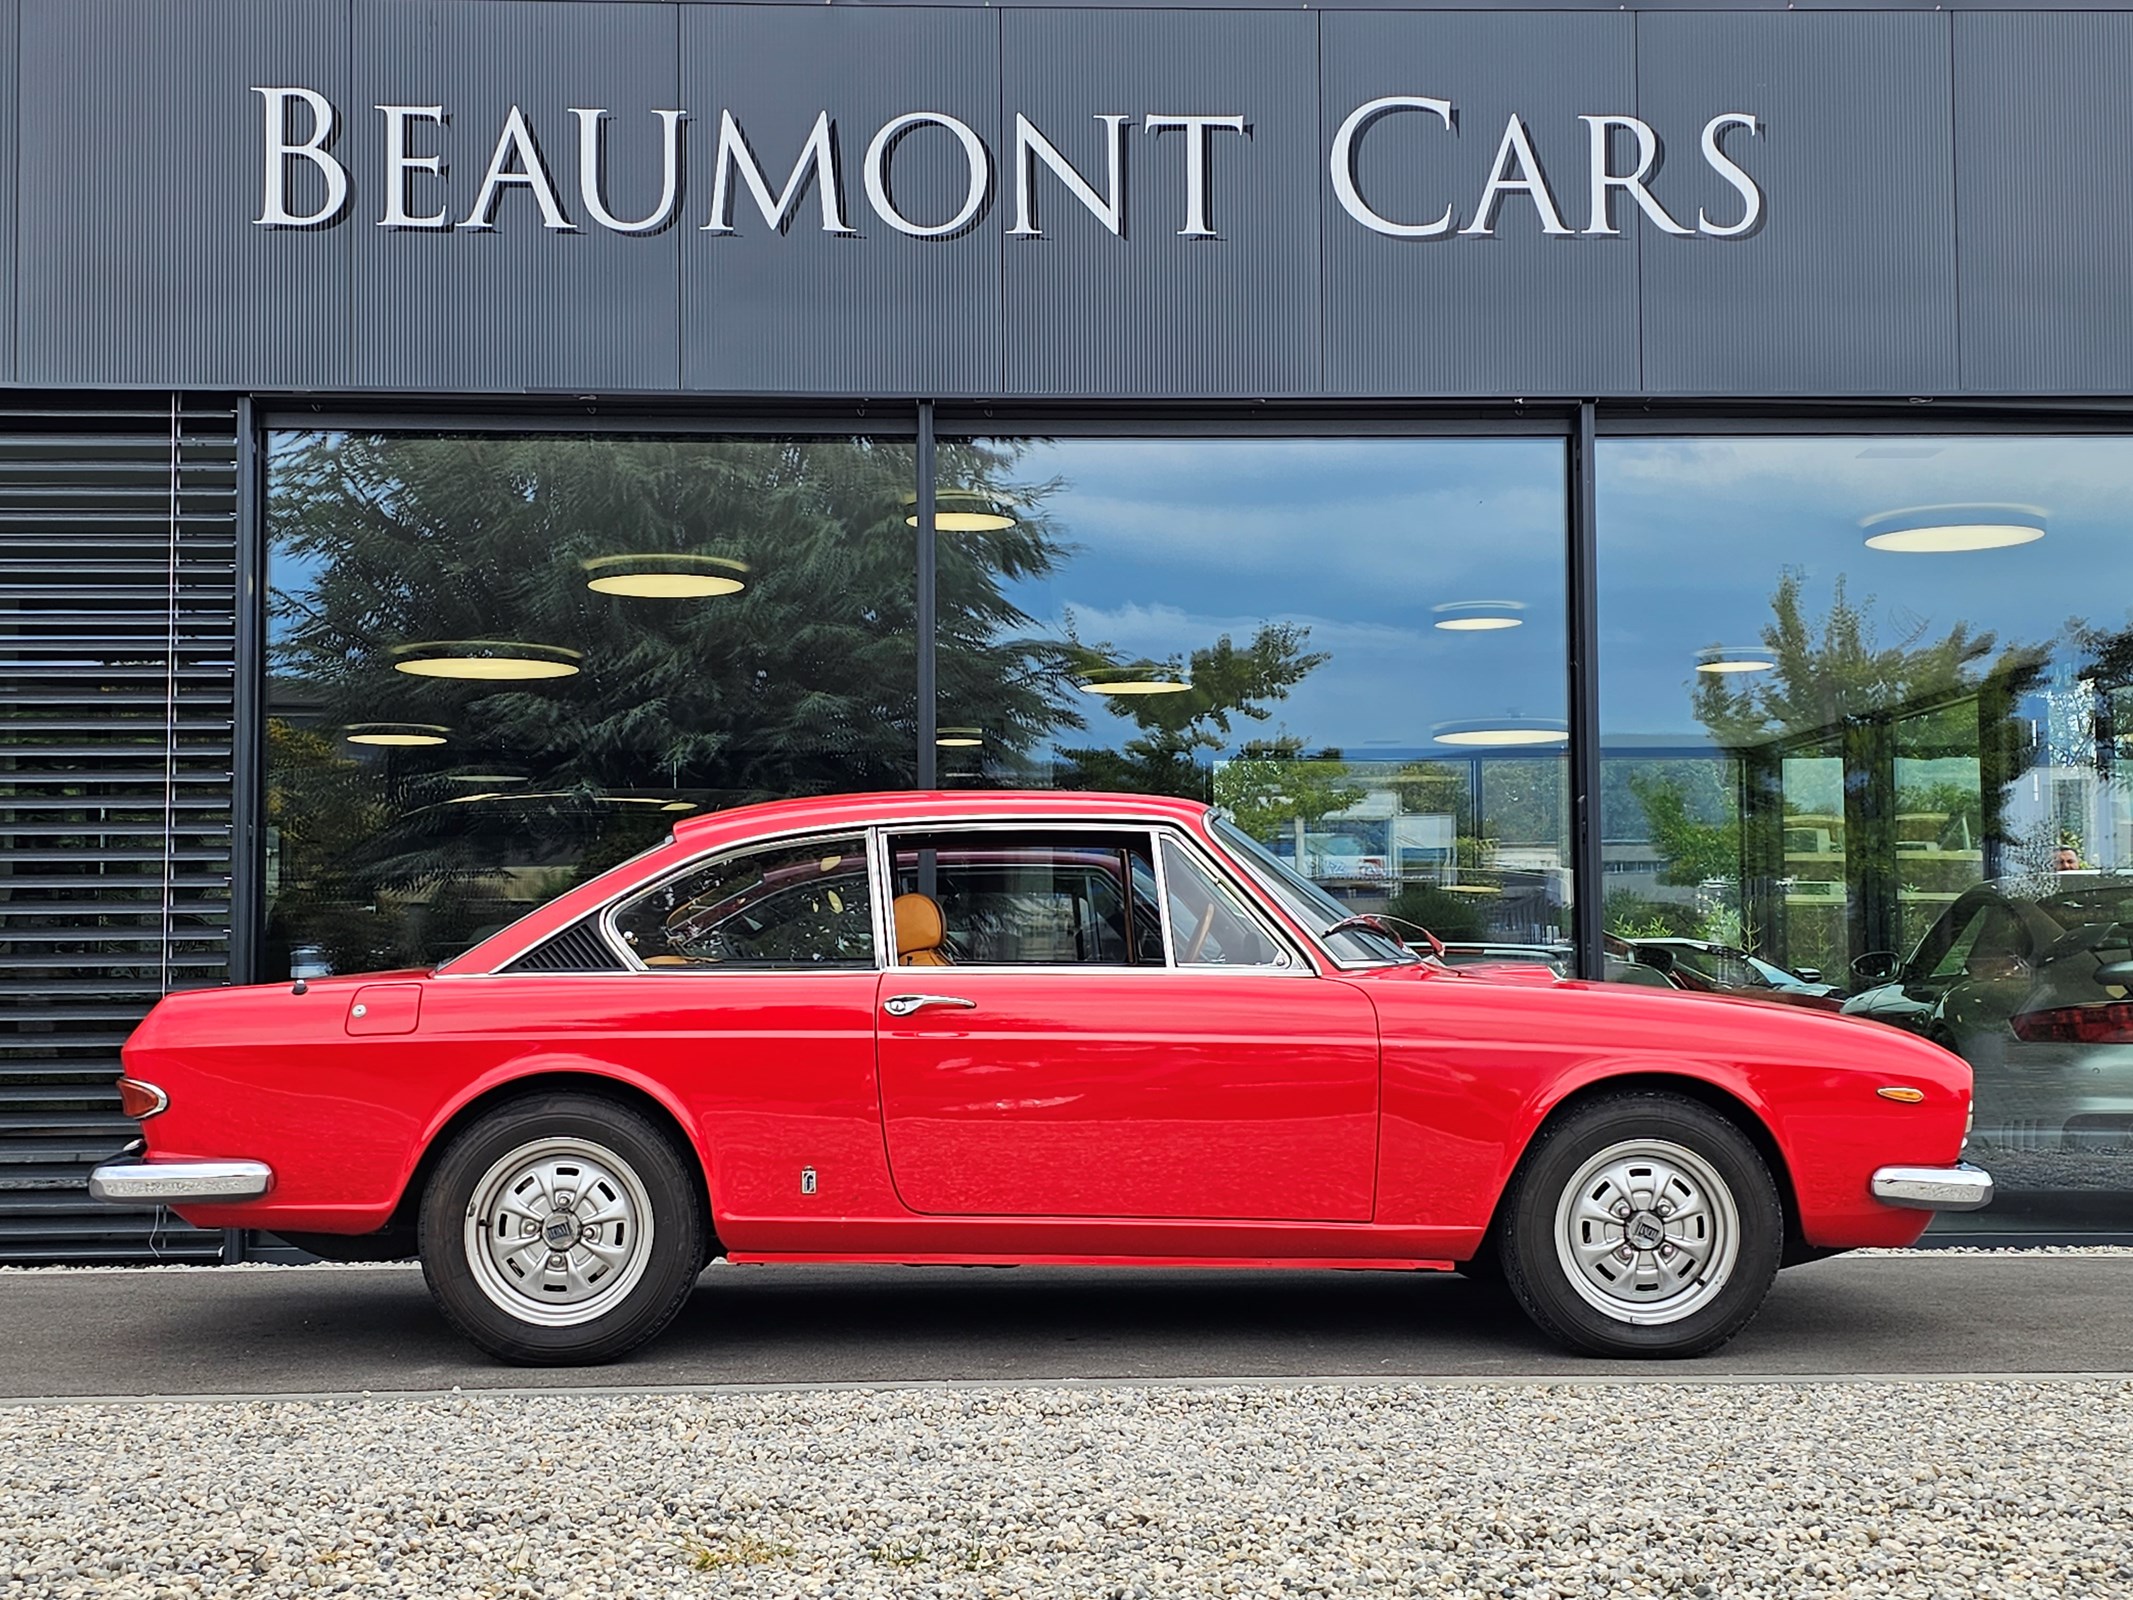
(1991, 938)
(1209, 925)
(795, 905)
(1024, 898)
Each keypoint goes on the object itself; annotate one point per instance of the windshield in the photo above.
(1308, 903)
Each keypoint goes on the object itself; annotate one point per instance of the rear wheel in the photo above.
(1642, 1224)
(562, 1229)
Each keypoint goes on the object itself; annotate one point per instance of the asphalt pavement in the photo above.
(302, 1330)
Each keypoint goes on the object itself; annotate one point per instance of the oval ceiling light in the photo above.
(1140, 677)
(1478, 616)
(1735, 658)
(959, 738)
(1924, 530)
(665, 577)
(395, 734)
(679, 805)
(964, 511)
(1502, 731)
(489, 660)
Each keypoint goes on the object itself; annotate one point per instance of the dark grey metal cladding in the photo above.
(1155, 313)
(518, 306)
(140, 177)
(1515, 314)
(10, 56)
(1849, 288)
(2043, 195)
(876, 312)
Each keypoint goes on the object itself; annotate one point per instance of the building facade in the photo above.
(1641, 488)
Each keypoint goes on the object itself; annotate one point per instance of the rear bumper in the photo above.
(1961, 1187)
(178, 1183)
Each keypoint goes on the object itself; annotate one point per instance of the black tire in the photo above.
(1720, 1268)
(619, 1285)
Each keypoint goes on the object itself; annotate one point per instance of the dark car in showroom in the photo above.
(2031, 982)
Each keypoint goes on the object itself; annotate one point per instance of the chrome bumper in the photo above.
(178, 1183)
(1961, 1187)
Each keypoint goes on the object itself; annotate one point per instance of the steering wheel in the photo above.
(1199, 935)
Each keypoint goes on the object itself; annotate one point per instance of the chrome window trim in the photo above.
(1299, 964)
(1267, 890)
(877, 830)
(1255, 913)
(993, 824)
(614, 936)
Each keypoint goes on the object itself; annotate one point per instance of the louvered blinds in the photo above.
(118, 543)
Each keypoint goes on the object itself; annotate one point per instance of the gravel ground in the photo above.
(1515, 1492)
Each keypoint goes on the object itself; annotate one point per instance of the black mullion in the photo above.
(1587, 891)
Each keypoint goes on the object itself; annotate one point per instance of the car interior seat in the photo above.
(921, 932)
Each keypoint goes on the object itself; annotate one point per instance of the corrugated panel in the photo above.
(878, 313)
(1155, 314)
(1518, 313)
(117, 613)
(1850, 286)
(520, 307)
(141, 176)
(2042, 203)
(10, 55)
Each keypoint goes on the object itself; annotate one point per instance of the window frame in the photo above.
(1298, 965)
(637, 965)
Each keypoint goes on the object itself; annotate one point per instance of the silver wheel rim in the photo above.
(1647, 1232)
(559, 1231)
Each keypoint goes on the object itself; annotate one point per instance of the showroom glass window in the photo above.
(498, 665)
(1355, 645)
(1863, 704)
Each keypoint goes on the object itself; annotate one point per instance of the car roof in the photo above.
(923, 806)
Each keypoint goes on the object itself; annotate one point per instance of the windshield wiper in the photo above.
(1375, 922)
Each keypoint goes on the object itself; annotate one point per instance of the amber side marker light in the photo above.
(1909, 1097)
(139, 1100)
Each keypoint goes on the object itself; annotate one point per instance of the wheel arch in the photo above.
(1715, 1097)
(485, 1097)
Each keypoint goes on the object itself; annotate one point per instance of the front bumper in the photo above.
(179, 1183)
(1961, 1187)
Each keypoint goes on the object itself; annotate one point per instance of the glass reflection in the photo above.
(1861, 707)
(1355, 646)
(588, 639)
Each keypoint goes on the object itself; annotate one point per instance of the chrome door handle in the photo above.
(902, 1005)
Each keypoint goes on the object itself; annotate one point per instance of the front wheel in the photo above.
(1642, 1224)
(561, 1229)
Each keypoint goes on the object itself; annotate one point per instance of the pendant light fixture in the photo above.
(964, 511)
(1723, 659)
(1942, 530)
(1500, 731)
(395, 735)
(1478, 616)
(665, 577)
(486, 660)
(1139, 677)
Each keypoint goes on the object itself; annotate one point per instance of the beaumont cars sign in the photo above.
(423, 155)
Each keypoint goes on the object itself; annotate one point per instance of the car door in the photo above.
(1087, 1047)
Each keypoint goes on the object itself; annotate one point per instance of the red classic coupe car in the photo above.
(1024, 1027)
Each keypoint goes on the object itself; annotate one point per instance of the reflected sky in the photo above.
(1176, 542)
(1694, 535)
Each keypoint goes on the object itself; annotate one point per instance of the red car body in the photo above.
(1357, 1116)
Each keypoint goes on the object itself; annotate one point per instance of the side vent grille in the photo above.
(118, 604)
(578, 948)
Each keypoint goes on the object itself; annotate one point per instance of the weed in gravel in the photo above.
(740, 1550)
(899, 1553)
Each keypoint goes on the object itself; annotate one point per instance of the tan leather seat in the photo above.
(920, 932)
